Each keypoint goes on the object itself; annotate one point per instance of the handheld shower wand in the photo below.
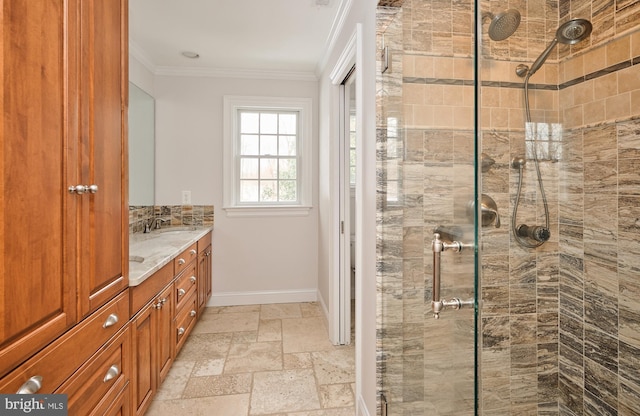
(568, 33)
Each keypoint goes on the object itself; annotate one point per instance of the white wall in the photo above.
(360, 12)
(255, 260)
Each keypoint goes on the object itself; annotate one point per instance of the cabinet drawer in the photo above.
(185, 284)
(104, 375)
(63, 357)
(185, 320)
(183, 260)
(154, 284)
(204, 242)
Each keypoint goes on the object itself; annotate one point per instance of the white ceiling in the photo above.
(254, 35)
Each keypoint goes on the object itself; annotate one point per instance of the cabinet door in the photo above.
(166, 347)
(103, 106)
(204, 278)
(38, 230)
(144, 377)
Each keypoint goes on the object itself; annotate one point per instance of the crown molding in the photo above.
(141, 56)
(235, 73)
(336, 28)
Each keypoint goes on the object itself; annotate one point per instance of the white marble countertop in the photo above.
(149, 252)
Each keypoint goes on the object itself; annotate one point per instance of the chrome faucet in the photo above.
(154, 223)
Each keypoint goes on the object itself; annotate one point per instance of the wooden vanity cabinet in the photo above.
(204, 272)
(103, 106)
(64, 236)
(166, 349)
(144, 329)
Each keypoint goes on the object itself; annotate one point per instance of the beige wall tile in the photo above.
(413, 93)
(618, 106)
(423, 66)
(463, 68)
(635, 44)
(606, 86)
(453, 95)
(408, 65)
(443, 68)
(595, 60)
(618, 51)
(629, 79)
(594, 112)
(574, 68)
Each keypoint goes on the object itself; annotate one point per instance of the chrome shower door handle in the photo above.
(438, 246)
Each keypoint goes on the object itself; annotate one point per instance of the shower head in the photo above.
(503, 24)
(569, 33)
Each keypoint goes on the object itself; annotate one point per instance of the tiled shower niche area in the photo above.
(558, 330)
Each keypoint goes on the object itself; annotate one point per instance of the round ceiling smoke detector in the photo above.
(190, 55)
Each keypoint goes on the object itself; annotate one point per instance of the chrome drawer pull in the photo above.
(192, 279)
(181, 292)
(31, 386)
(181, 262)
(111, 321)
(192, 313)
(112, 373)
(193, 252)
(180, 331)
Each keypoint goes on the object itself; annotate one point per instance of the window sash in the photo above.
(268, 158)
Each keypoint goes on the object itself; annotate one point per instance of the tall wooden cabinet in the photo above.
(63, 232)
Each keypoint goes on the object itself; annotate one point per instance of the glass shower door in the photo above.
(426, 185)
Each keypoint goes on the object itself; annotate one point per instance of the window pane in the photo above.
(268, 145)
(352, 139)
(248, 191)
(249, 122)
(249, 144)
(288, 123)
(288, 191)
(269, 191)
(352, 175)
(268, 168)
(287, 146)
(288, 169)
(352, 157)
(268, 123)
(248, 168)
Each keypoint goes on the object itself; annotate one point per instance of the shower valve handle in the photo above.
(535, 232)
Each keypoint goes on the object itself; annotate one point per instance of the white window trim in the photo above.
(232, 103)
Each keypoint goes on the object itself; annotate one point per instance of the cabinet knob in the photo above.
(180, 331)
(181, 292)
(31, 386)
(193, 252)
(192, 279)
(192, 313)
(112, 373)
(111, 321)
(160, 303)
(181, 262)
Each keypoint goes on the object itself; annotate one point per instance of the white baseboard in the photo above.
(263, 297)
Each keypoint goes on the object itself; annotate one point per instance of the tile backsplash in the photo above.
(174, 216)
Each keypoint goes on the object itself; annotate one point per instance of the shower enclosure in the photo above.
(508, 204)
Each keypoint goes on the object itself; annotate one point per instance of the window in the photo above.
(267, 156)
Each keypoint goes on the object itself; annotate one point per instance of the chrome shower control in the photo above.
(535, 232)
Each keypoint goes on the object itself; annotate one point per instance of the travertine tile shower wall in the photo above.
(560, 325)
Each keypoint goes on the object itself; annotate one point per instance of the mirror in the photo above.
(141, 147)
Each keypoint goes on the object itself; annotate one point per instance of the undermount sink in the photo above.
(136, 259)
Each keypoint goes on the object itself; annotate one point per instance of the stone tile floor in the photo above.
(271, 360)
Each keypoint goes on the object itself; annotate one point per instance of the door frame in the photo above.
(340, 281)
